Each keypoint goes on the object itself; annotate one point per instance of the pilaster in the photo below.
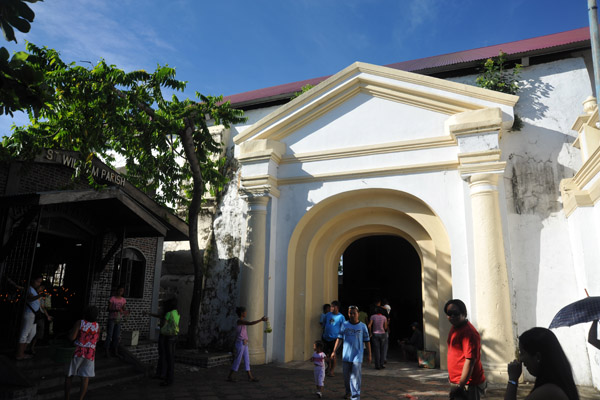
(478, 136)
(252, 293)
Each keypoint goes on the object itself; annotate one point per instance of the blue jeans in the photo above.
(113, 334)
(352, 378)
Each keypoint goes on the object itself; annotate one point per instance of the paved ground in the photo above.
(295, 381)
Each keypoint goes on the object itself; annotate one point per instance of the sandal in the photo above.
(230, 380)
(253, 379)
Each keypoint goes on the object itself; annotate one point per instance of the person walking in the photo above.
(354, 335)
(85, 332)
(28, 325)
(241, 344)
(388, 311)
(167, 341)
(318, 359)
(545, 359)
(333, 324)
(326, 309)
(116, 312)
(465, 372)
(378, 327)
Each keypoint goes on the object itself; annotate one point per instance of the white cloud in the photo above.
(413, 15)
(90, 30)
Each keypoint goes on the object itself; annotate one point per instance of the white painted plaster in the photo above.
(364, 120)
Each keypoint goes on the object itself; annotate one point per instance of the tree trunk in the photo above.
(193, 211)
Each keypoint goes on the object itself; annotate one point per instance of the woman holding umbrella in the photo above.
(545, 359)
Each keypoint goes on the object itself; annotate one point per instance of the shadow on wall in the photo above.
(535, 91)
(538, 158)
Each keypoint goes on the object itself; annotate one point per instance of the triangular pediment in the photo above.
(363, 93)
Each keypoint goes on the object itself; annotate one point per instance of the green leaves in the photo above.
(22, 85)
(15, 14)
(105, 111)
(495, 76)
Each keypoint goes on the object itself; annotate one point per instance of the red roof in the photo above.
(562, 39)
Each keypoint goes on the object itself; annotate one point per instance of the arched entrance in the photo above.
(328, 228)
(383, 267)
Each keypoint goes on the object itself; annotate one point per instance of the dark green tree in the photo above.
(22, 88)
(105, 112)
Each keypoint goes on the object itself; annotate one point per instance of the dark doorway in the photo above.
(383, 267)
(65, 263)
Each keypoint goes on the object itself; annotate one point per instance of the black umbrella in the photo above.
(584, 310)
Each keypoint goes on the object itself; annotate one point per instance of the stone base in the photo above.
(495, 373)
(257, 356)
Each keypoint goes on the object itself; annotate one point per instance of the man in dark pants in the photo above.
(465, 372)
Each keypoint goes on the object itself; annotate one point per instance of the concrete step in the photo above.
(204, 360)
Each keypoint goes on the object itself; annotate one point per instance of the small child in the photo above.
(319, 358)
(85, 332)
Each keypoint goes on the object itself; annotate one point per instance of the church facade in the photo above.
(446, 196)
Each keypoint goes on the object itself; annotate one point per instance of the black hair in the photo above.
(458, 303)
(335, 303)
(36, 277)
(91, 314)
(239, 310)
(171, 304)
(325, 306)
(319, 345)
(554, 365)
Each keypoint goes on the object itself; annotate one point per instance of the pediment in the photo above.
(372, 100)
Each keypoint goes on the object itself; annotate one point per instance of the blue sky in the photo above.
(232, 46)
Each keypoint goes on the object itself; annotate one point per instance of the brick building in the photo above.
(84, 241)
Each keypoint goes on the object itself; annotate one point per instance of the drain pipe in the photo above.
(595, 41)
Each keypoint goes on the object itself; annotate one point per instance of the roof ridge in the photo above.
(279, 92)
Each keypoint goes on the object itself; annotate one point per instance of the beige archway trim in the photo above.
(329, 227)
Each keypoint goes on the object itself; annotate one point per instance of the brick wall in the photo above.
(146, 353)
(39, 177)
(102, 286)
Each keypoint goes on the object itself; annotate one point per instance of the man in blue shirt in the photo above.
(354, 334)
(331, 331)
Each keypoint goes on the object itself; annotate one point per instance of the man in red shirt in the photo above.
(465, 372)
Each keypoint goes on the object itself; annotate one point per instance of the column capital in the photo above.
(480, 163)
(257, 200)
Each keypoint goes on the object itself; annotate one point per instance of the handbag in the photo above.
(39, 314)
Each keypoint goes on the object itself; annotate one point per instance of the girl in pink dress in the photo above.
(241, 344)
(318, 359)
(85, 332)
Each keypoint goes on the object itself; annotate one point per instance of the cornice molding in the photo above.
(261, 150)
(588, 170)
(368, 173)
(573, 190)
(360, 151)
(348, 83)
(468, 170)
(475, 121)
